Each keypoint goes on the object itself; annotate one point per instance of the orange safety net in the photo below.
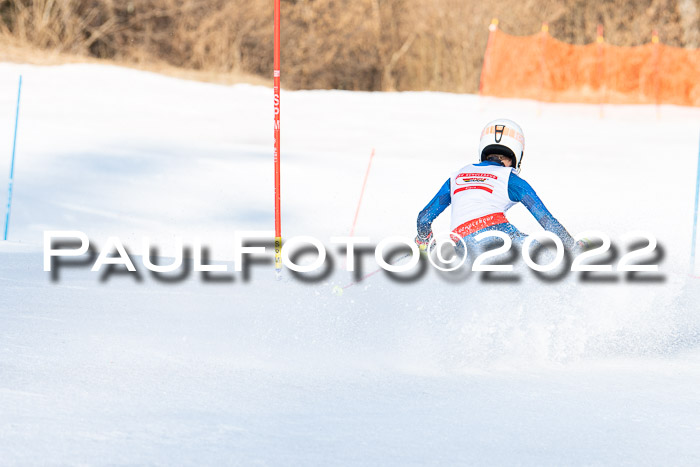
(543, 68)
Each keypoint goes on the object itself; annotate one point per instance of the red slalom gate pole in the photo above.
(276, 85)
(362, 193)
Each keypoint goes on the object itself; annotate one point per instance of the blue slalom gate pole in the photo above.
(12, 164)
(695, 217)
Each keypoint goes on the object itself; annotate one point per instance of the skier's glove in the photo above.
(584, 244)
(423, 242)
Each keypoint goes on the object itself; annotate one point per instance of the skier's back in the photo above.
(481, 193)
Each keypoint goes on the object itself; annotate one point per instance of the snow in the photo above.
(113, 370)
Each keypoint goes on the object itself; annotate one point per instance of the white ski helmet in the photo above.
(503, 137)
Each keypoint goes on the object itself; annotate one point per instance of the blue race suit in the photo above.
(518, 191)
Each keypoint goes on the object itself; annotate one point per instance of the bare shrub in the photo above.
(360, 44)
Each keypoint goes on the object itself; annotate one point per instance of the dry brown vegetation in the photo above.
(360, 44)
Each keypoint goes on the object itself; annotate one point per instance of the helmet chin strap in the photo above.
(517, 169)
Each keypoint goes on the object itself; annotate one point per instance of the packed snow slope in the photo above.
(445, 370)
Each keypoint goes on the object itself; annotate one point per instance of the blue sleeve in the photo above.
(521, 191)
(438, 204)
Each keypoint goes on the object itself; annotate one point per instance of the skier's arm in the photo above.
(438, 204)
(521, 191)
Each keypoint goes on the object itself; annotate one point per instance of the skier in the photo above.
(481, 193)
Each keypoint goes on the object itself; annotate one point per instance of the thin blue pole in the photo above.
(695, 217)
(12, 164)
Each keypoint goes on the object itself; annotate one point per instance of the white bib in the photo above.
(478, 191)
